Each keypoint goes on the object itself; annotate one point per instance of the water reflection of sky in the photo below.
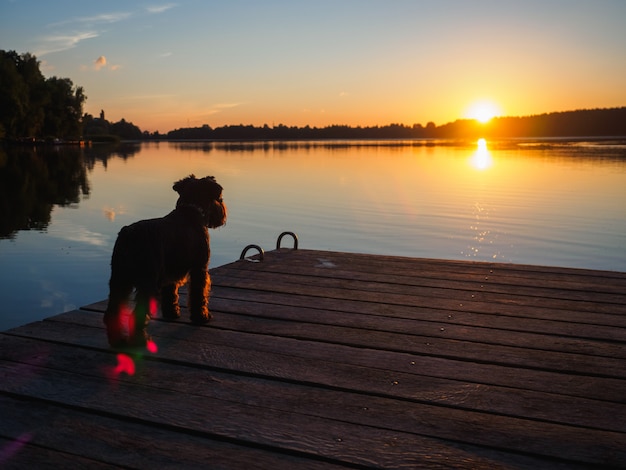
(476, 202)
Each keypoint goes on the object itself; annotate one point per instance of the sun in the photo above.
(483, 111)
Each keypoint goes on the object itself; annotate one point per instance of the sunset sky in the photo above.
(187, 63)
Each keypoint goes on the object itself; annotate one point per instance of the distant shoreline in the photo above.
(589, 123)
(337, 142)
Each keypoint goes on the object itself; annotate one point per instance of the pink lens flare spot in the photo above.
(126, 321)
(152, 347)
(12, 448)
(153, 307)
(125, 365)
(131, 324)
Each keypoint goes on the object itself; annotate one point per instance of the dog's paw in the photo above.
(170, 314)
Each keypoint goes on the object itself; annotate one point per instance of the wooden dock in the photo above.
(333, 360)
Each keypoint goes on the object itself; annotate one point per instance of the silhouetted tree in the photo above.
(63, 109)
(95, 126)
(126, 130)
(32, 106)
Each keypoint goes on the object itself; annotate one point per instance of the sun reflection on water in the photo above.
(481, 159)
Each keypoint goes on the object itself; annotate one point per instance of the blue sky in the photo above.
(165, 65)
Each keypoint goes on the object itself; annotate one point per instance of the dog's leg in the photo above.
(119, 294)
(144, 303)
(199, 291)
(169, 302)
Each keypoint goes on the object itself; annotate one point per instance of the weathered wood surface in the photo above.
(333, 360)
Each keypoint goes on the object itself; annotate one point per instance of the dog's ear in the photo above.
(215, 189)
(181, 185)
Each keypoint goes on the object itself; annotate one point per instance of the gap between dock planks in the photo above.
(327, 360)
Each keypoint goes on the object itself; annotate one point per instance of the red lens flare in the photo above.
(130, 322)
(152, 347)
(125, 365)
(126, 321)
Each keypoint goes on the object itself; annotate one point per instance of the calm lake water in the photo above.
(547, 203)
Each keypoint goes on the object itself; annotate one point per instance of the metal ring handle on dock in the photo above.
(256, 247)
(293, 235)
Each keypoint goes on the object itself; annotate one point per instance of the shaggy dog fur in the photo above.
(155, 257)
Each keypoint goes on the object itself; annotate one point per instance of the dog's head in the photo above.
(205, 194)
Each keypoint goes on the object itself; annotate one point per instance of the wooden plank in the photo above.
(394, 365)
(591, 340)
(593, 366)
(500, 281)
(240, 354)
(51, 433)
(291, 416)
(420, 268)
(560, 336)
(572, 310)
(18, 455)
(314, 437)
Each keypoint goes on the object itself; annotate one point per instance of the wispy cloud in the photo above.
(152, 97)
(57, 43)
(160, 8)
(226, 105)
(85, 27)
(106, 18)
(219, 107)
(103, 18)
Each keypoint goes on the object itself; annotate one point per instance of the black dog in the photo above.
(154, 257)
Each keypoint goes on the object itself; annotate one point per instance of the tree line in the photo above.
(32, 106)
(580, 123)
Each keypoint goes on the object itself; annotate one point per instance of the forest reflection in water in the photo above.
(549, 202)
